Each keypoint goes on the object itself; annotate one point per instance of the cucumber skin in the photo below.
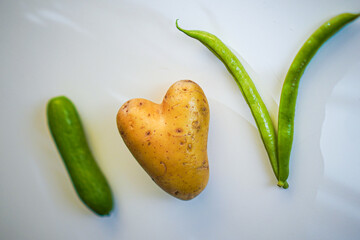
(68, 133)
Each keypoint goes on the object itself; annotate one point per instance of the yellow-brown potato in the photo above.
(169, 140)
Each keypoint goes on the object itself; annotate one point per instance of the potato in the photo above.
(169, 140)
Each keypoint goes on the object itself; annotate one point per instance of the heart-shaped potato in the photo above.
(169, 140)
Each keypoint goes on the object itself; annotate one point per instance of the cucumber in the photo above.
(68, 133)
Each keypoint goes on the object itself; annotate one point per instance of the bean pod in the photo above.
(291, 84)
(247, 88)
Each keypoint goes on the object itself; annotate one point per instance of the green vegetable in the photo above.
(291, 85)
(247, 88)
(68, 134)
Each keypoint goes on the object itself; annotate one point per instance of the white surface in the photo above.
(102, 53)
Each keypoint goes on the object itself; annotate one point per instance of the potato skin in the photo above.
(169, 140)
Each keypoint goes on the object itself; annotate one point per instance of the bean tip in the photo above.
(282, 184)
(177, 25)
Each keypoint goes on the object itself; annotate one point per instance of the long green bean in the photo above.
(247, 88)
(291, 84)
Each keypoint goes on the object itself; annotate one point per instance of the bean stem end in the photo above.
(282, 184)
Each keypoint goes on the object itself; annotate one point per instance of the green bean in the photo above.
(291, 84)
(247, 88)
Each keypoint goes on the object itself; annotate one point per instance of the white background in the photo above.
(102, 53)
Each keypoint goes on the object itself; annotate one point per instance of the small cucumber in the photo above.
(86, 176)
